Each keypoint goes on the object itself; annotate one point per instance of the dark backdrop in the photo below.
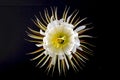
(15, 16)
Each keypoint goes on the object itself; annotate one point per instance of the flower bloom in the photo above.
(59, 41)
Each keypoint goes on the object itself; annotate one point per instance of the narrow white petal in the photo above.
(53, 60)
(66, 63)
(39, 45)
(60, 57)
(45, 61)
(77, 42)
(55, 23)
(75, 34)
(80, 48)
(70, 56)
(74, 49)
(42, 33)
(80, 28)
(68, 53)
(52, 54)
(59, 65)
(46, 52)
(52, 18)
(61, 20)
(68, 19)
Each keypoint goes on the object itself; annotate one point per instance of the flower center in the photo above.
(61, 40)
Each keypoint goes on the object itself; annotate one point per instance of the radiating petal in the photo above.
(80, 28)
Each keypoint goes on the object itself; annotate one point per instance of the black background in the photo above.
(15, 16)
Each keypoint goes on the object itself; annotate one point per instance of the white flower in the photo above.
(60, 41)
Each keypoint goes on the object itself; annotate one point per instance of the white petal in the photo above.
(46, 52)
(53, 60)
(61, 20)
(80, 28)
(68, 53)
(68, 19)
(52, 54)
(60, 57)
(77, 42)
(39, 45)
(52, 18)
(42, 33)
(80, 48)
(75, 34)
(55, 23)
(70, 56)
(66, 63)
(74, 49)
